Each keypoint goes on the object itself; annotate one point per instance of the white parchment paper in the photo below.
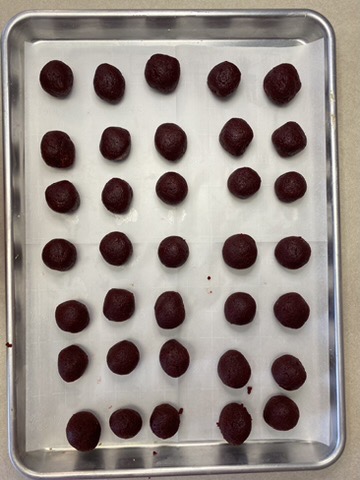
(207, 217)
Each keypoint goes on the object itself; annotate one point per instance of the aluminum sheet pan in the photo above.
(39, 404)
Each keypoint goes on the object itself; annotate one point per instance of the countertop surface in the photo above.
(344, 16)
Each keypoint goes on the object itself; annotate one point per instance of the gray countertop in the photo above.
(345, 17)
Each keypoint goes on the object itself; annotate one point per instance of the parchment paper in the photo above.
(207, 217)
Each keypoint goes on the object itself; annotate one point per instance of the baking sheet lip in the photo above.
(10, 354)
(337, 277)
(266, 12)
(15, 458)
(166, 471)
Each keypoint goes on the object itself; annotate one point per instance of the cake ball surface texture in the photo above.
(56, 79)
(162, 72)
(165, 421)
(224, 79)
(83, 431)
(282, 83)
(235, 423)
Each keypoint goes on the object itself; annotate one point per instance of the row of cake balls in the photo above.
(83, 429)
(72, 316)
(233, 368)
(239, 251)
(58, 149)
(162, 73)
(172, 189)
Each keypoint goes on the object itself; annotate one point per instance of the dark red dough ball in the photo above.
(109, 83)
(62, 197)
(290, 187)
(57, 149)
(115, 143)
(288, 372)
(59, 254)
(170, 141)
(56, 78)
(119, 305)
(239, 251)
(171, 188)
(244, 182)
(72, 316)
(291, 310)
(173, 251)
(224, 79)
(116, 248)
(240, 308)
(289, 139)
(117, 195)
(174, 358)
(233, 369)
(125, 423)
(123, 357)
(164, 421)
(282, 83)
(169, 310)
(83, 431)
(72, 363)
(235, 423)
(281, 413)
(162, 72)
(235, 136)
(292, 252)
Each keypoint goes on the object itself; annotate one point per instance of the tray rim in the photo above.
(330, 53)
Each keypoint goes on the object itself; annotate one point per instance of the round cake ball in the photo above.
(62, 197)
(164, 421)
(173, 251)
(109, 84)
(240, 308)
(116, 248)
(174, 358)
(117, 195)
(83, 431)
(59, 254)
(56, 78)
(224, 79)
(290, 187)
(291, 310)
(162, 72)
(115, 144)
(235, 423)
(169, 310)
(292, 252)
(288, 372)
(57, 149)
(282, 83)
(281, 413)
(235, 136)
(244, 182)
(119, 305)
(170, 141)
(239, 251)
(72, 363)
(72, 316)
(171, 188)
(125, 423)
(123, 357)
(289, 139)
(233, 369)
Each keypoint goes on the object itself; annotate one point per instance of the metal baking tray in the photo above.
(243, 28)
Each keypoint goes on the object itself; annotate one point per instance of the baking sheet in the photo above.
(207, 217)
